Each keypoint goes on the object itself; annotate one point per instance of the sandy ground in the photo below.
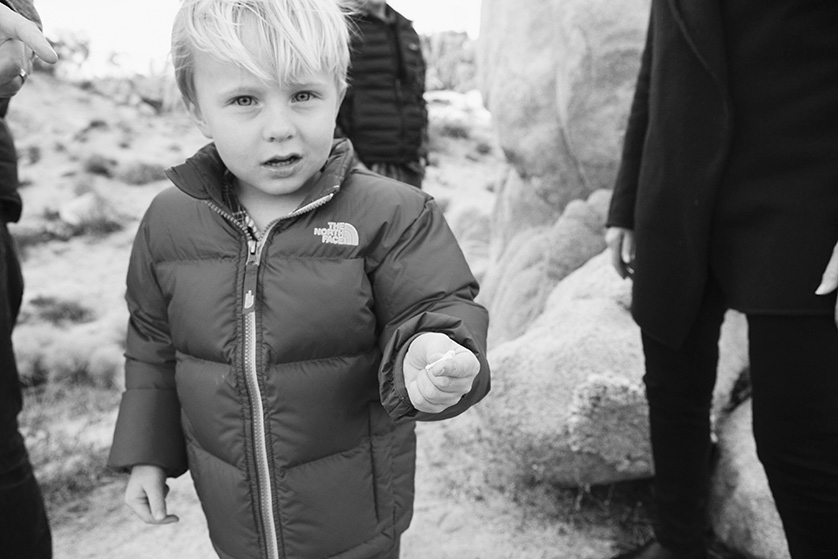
(459, 514)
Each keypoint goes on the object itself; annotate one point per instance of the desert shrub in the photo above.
(454, 129)
(29, 235)
(99, 165)
(86, 354)
(99, 226)
(140, 173)
(67, 430)
(32, 342)
(483, 146)
(90, 213)
(60, 311)
(73, 50)
(29, 155)
(105, 365)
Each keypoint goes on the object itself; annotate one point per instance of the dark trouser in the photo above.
(24, 531)
(794, 376)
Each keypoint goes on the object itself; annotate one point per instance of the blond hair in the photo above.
(275, 40)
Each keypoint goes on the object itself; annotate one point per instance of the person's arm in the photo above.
(424, 285)
(148, 429)
(620, 223)
(148, 439)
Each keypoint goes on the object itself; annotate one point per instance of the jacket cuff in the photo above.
(148, 431)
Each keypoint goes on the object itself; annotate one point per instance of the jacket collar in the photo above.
(701, 24)
(202, 175)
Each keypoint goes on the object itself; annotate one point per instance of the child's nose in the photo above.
(278, 125)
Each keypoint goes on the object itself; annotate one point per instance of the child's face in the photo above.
(272, 138)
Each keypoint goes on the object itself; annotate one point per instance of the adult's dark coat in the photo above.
(384, 111)
(702, 191)
(272, 371)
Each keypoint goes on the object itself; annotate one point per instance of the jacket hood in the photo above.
(202, 175)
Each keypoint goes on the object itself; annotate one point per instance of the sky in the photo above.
(139, 31)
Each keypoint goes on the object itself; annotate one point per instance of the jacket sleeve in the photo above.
(148, 428)
(621, 211)
(423, 284)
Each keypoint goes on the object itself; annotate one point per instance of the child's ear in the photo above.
(200, 122)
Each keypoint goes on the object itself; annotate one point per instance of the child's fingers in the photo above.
(157, 505)
(463, 364)
(426, 398)
(138, 503)
(149, 506)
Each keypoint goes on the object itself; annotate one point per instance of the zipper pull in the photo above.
(251, 271)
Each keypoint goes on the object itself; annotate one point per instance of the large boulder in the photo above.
(742, 509)
(517, 286)
(567, 403)
(558, 76)
(561, 386)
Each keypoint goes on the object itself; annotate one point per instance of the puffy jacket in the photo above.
(384, 111)
(272, 370)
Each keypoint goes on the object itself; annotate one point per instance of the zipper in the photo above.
(263, 468)
(264, 479)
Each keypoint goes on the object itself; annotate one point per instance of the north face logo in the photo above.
(338, 233)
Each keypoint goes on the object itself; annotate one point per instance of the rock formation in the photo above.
(567, 404)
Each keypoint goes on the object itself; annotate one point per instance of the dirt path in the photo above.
(445, 525)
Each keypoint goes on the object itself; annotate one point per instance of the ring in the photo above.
(23, 74)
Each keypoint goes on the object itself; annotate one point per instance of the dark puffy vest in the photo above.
(384, 111)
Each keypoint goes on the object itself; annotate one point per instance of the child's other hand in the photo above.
(146, 494)
(438, 372)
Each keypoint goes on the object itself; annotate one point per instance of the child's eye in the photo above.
(243, 101)
(304, 96)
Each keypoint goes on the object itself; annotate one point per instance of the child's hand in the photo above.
(146, 494)
(438, 372)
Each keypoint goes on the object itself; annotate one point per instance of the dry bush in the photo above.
(139, 173)
(99, 165)
(59, 311)
(67, 430)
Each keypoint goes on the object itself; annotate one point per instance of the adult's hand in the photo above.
(19, 38)
(829, 281)
(620, 243)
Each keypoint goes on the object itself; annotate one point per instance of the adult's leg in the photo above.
(794, 373)
(24, 531)
(679, 389)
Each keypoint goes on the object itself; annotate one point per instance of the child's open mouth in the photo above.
(282, 161)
